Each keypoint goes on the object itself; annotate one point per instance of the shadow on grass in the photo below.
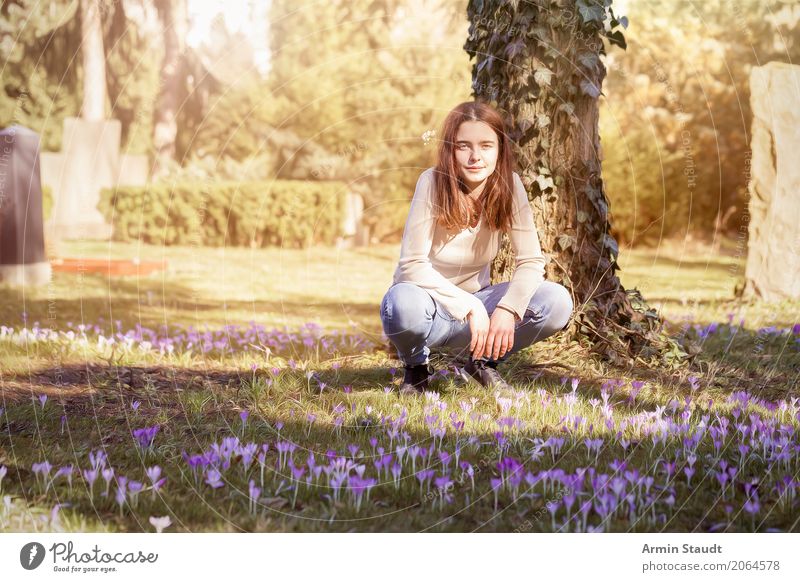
(147, 300)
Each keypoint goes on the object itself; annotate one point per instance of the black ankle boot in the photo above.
(484, 373)
(415, 378)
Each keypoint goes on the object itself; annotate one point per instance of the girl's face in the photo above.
(476, 150)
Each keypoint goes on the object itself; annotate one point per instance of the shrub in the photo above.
(291, 213)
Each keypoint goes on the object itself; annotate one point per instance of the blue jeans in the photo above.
(415, 322)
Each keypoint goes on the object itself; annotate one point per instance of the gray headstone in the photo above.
(23, 260)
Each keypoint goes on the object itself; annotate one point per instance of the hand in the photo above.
(478, 329)
(500, 338)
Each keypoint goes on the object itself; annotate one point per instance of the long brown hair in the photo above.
(453, 207)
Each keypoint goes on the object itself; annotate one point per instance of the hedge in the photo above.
(288, 213)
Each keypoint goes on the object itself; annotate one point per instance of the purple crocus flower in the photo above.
(108, 474)
(42, 468)
(145, 437)
(214, 478)
(134, 488)
(254, 493)
(752, 505)
(443, 483)
(396, 469)
(496, 483)
(121, 493)
(43, 399)
(65, 471)
(636, 386)
(97, 459)
(424, 476)
(90, 475)
(153, 473)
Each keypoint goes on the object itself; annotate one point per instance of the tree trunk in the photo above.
(539, 65)
(94, 62)
(172, 87)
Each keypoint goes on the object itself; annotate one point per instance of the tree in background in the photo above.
(677, 120)
(359, 82)
(93, 106)
(43, 78)
(539, 63)
(173, 16)
(39, 85)
(133, 59)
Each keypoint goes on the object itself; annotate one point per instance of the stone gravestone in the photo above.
(354, 232)
(22, 256)
(773, 256)
(90, 161)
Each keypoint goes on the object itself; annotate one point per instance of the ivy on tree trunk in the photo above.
(538, 63)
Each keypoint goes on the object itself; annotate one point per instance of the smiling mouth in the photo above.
(475, 168)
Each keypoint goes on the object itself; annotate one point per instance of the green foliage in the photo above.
(676, 124)
(285, 213)
(133, 62)
(40, 84)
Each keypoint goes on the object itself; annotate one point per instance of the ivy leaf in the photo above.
(515, 48)
(590, 61)
(624, 21)
(583, 216)
(544, 182)
(542, 76)
(542, 120)
(611, 244)
(565, 241)
(618, 39)
(567, 108)
(591, 12)
(590, 89)
(539, 33)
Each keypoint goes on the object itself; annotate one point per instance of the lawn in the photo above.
(251, 390)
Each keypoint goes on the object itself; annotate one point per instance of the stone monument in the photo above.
(90, 161)
(773, 257)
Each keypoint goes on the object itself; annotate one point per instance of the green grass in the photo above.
(197, 399)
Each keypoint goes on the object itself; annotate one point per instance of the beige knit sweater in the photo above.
(452, 265)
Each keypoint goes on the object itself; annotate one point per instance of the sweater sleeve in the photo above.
(530, 262)
(415, 266)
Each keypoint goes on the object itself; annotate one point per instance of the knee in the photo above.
(561, 307)
(553, 306)
(407, 307)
